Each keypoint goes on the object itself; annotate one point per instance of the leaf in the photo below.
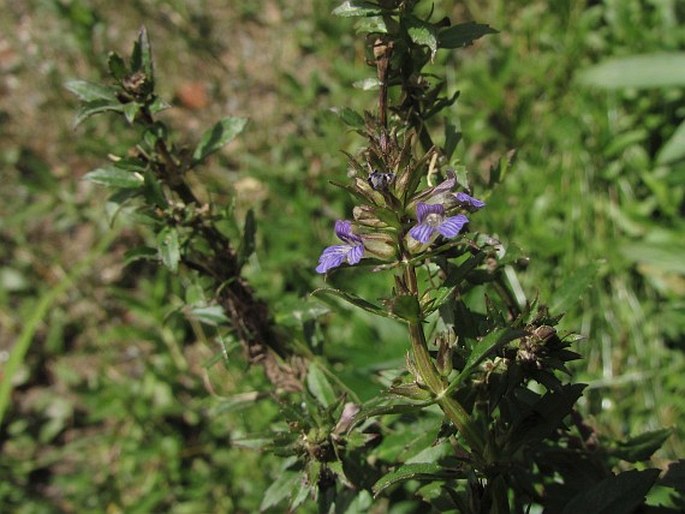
(117, 66)
(354, 300)
(422, 33)
(139, 253)
(463, 34)
(90, 91)
(93, 107)
(319, 386)
(212, 315)
(641, 447)
(573, 288)
(419, 471)
(370, 84)
(169, 248)
(350, 117)
(247, 244)
(617, 494)
(486, 346)
(653, 70)
(222, 133)
(115, 177)
(371, 25)
(405, 307)
(674, 149)
(279, 490)
(131, 110)
(141, 57)
(350, 8)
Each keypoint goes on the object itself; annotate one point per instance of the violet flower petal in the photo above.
(451, 226)
(470, 201)
(422, 232)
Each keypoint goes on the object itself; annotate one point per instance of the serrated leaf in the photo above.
(213, 315)
(642, 447)
(620, 493)
(159, 105)
(319, 386)
(169, 248)
(463, 34)
(405, 307)
(419, 471)
(115, 177)
(117, 66)
(483, 349)
(571, 290)
(141, 57)
(350, 117)
(139, 253)
(351, 8)
(90, 91)
(654, 70)
(355, 300)
(422, 33)
(279, 490)
(371, 25)
(131, 110)
(95, 107)
(222, 133)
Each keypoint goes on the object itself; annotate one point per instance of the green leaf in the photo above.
(247, 244)
(281, 489)
(350, 117)
(666, 256)
(463, 34)
(354, 300)
(115, 177)
(139, 253)
(483, 349)
(422, 33)
(212, 315)
(117, 66)
(350, 8)
(141, 57)
(419, 471)
(642, 447)
(405, 307)
(169, 248)
(90, 91)
(219, 135)
(131, 110)
(96, 107)
(654, 70)
(319, 386)
(674, 149)
(573, 288)
(370, 84)
(371, 25)
(617, 494)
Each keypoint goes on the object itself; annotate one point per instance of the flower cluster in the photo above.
(432, 220)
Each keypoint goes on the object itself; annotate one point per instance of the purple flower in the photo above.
(469, 201)
(352, 251)
(431, 219)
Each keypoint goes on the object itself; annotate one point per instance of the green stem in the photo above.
(432, 378)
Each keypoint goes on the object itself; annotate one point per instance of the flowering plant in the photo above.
(482, 416)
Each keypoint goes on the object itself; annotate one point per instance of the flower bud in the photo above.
(365, 189)
(380, 245)
(365, 215)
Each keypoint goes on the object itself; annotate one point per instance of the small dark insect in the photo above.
(380, 180)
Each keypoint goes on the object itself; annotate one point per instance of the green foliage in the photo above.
(133, 394)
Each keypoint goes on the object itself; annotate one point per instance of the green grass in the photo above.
(118, 405)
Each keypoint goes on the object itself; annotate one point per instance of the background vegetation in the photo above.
(120, 406)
